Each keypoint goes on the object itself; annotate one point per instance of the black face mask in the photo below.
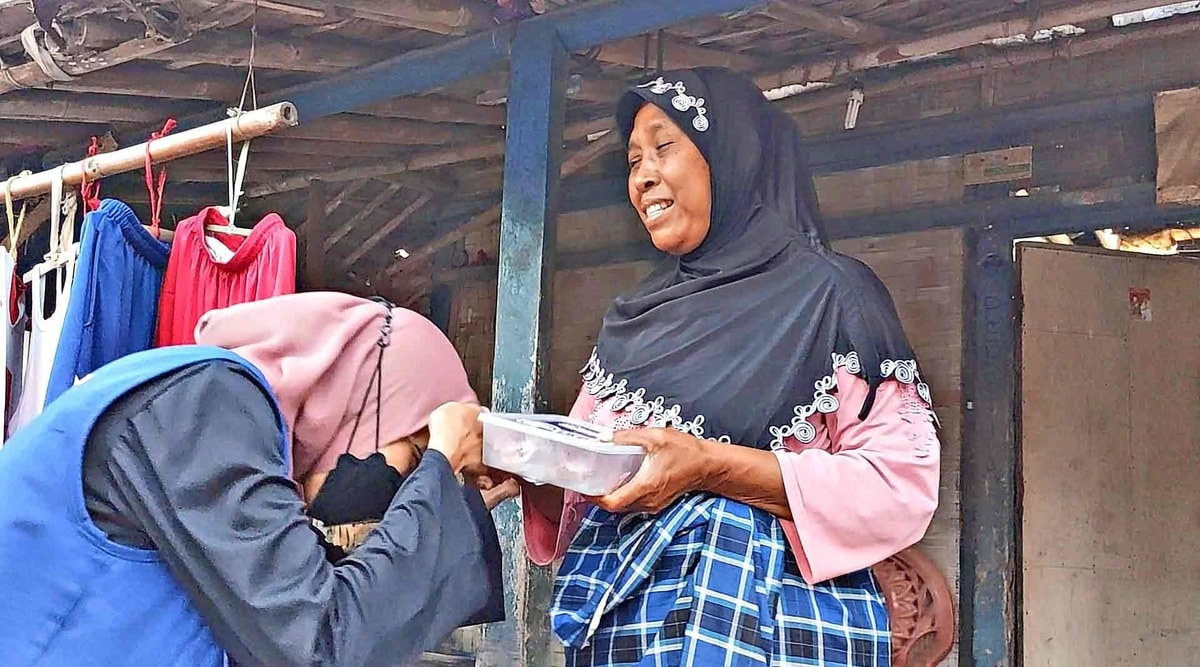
(360, 490)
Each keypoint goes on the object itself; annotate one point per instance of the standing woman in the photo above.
(155, 513)
(790, 440)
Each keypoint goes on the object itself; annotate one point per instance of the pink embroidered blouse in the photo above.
(860, 492)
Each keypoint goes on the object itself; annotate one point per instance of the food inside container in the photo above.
(550, 449)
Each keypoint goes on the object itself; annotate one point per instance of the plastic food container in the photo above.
(549, 449)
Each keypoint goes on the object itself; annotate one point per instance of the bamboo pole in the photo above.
(248, 125)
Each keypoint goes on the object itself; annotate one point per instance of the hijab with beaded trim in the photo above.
(740, 338)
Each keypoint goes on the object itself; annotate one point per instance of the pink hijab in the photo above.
(318, 350)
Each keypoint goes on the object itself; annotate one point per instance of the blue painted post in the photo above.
(532, 155)
(990, 547)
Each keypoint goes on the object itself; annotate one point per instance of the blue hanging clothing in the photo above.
(113, 307)
(72, 597)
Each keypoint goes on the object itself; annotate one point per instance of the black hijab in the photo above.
(740, 339)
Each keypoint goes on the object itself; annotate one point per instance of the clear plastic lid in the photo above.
(563, 430)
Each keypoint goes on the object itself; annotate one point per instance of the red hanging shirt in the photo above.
(259, 266)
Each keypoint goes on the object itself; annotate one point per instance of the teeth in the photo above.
(655, 210)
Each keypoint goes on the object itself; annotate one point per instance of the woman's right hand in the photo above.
(456, 432)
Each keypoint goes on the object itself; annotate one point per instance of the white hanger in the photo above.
(63, 249)
(249, 88)
(234, 181)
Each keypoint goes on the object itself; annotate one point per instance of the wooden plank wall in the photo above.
(1111, 443)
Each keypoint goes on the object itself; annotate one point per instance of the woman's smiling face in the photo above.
(669, 182)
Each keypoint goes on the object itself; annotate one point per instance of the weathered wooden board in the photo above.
(1177, 136)
(1111, 442)
(1000, 166)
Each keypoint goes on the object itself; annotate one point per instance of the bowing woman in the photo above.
(790, 442)
(155, 513)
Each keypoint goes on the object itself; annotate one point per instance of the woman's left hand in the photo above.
(675, 464)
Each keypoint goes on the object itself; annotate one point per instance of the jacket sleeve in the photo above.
(873, 493)
(199, 470)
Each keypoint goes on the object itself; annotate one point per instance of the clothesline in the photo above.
(155, 290)
(245, 126)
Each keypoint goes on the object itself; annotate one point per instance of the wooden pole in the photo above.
(315, 225)
(171, 147)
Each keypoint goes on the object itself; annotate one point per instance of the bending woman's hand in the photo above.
(675, 464)
(456, 432)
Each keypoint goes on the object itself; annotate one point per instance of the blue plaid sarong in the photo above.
(704, 584)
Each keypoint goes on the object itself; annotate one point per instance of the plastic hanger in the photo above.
(63, 249)
(235, 178)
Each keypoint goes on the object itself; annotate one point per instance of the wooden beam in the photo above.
(521, 370)
(232, 48)
(801, 14)
(573, 163)
(455, 17)
(47, 106)
(445, 185)
(430, 160)
(333, 203)
(271, 161)
(315, 270)
(440, 16)
(300, 148)
(386, 229)
(397, 132)
(677, 54)
(30, 133)
(1083, 46)
(386, 195)
(437, 109)
(146, 80)
(587, 88)
(429, 222)
(829, 69)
